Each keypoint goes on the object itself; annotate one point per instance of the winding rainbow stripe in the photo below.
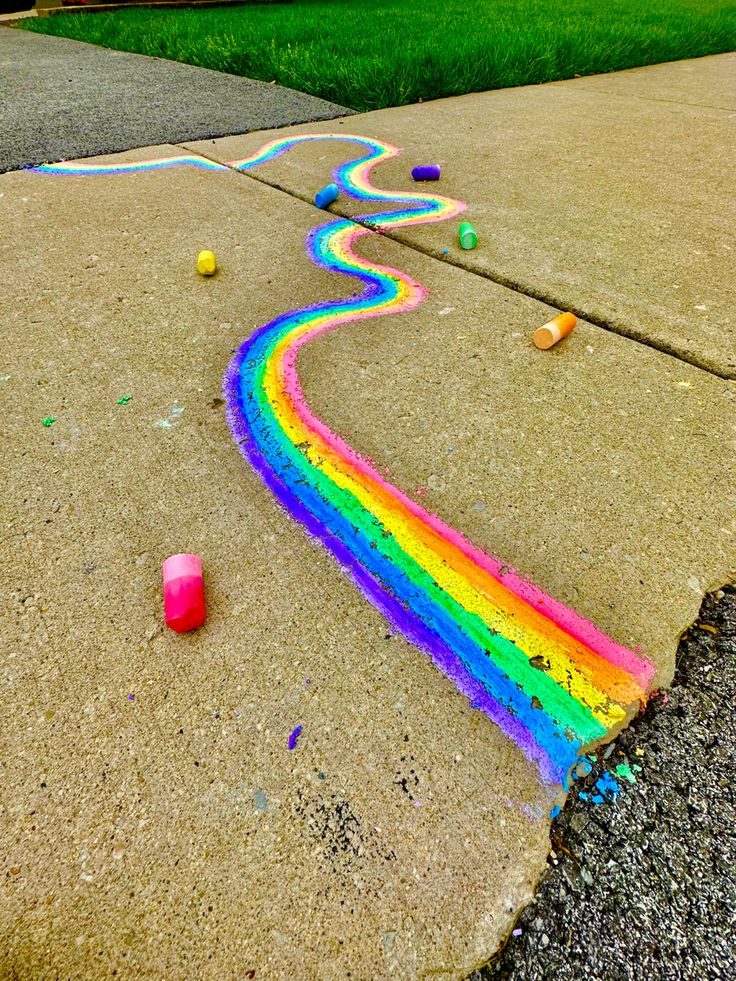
(548, 678)
(127, 166)
(552, 681)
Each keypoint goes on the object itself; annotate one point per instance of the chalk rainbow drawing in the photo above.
(548, 678)
(127, 166)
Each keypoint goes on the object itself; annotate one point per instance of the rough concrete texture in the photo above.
(154, 821)
(17, 15)
(646, 887)
(708, 82)
(595, 198)
(602, 469)
(63, 99)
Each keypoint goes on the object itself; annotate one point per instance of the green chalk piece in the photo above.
(49, 421)
(468, 236)
(124, 400)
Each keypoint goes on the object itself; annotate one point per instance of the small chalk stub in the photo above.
(426, 172)
(183, 592)
(206, 263)
(327, 195)
(468, 236)
(559, 327)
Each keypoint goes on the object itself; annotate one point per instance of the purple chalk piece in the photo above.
(427, 172)
(517, 932)
(293, 737)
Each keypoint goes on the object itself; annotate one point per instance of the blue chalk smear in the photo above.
(608, 785)
(554, 812)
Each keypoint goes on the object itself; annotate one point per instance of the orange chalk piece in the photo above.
(183, 593)
(559, 327)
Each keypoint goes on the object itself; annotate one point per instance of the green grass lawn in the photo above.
(369, 54)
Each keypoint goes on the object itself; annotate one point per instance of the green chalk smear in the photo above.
(124, 400)
(622, 770)
(49, 421)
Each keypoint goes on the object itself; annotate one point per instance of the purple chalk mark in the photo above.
(293, 737)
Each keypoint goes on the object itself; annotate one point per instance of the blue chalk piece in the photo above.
(327, 195)
(597, 799)
(583, 795)
(554, 812)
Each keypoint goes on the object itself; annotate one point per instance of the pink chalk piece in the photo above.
(183, 592)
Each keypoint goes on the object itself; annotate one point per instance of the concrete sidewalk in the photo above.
(595, 195)
(63, 99)
(155, 822)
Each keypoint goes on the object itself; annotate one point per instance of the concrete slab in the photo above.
(616, 207)
(172, 832)
(709, 82)
(155, 822)
(17, 15)
(63, 99)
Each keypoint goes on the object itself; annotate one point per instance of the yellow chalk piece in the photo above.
(206, 263)
(554, 331)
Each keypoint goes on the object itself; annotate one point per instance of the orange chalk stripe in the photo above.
(554, 331)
